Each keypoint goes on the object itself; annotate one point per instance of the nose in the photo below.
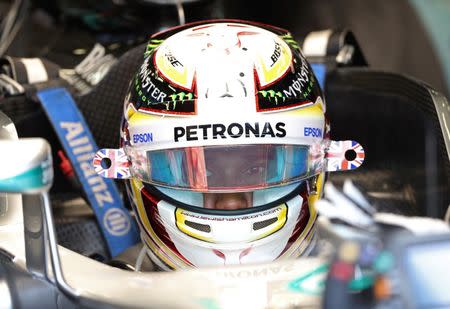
(228, 201)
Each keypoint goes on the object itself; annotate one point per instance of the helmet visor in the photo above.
(226, 168)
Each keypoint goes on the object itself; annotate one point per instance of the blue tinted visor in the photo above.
(226, 168)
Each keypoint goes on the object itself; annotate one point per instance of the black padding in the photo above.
(395, 120)
(81, 235)
(103, 106)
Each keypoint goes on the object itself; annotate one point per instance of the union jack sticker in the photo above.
(119, 166)
(336, 155)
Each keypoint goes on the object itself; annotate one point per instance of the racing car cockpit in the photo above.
(402, 124)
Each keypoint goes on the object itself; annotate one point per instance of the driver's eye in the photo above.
(255, 171)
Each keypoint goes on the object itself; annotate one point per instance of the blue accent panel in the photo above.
(118, 229)
(320, 71)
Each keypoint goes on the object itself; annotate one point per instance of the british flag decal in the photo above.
(118, 163)
(336, 155)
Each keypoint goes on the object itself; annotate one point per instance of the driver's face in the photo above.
(228, 201)
(233, 167)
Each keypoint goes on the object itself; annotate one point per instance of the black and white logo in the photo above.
(116, 222)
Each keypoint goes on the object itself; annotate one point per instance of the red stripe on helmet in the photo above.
(151, 210)
(302, 222)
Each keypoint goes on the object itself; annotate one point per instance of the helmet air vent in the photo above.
(198, 226)
(262, 224)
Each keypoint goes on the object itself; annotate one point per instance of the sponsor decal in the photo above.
(276, 53)
(142, 138)
(83, 150)
(147, 88)
(231, 218)
(257, 273)
(233, 130)
(272, 95)
(314, 132)
(79, 144)
(173, 61)
(301, 85)
(116, 222)
(153, 94)
(295, 90)
(181, 96)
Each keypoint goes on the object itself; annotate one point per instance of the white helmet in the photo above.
(226, 144)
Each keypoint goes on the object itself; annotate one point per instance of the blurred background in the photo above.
(404, 36)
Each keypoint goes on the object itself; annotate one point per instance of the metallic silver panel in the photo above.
(34, 234)
(443, 112)
(5, 295)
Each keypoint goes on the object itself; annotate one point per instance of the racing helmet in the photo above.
(225, 142)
